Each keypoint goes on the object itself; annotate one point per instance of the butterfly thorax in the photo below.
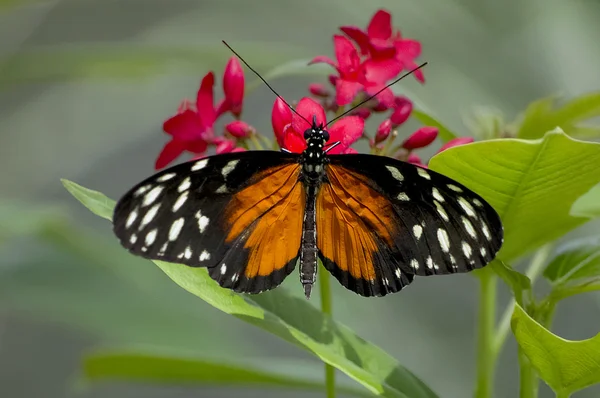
(314, 157)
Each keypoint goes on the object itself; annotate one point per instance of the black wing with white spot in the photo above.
(180, 215)
(439, 225)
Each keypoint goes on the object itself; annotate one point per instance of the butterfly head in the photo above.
(314, 155)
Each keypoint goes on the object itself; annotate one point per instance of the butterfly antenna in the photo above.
(264, 81)
(377, 93)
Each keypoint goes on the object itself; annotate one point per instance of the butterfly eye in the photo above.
(325, 135)
(307, 133)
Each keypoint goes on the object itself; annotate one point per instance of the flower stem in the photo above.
(326, 308)
(488, 282)
(528, 382)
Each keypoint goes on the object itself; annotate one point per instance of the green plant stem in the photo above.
(488, 282)
(535, 268)
(528, 382)
(326, 308)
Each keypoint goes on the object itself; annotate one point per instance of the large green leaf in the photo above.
(542, 116)
(575, 270)
(566, 366)
(588, 204)
(296, 321)
(179, 369)
(532, 184)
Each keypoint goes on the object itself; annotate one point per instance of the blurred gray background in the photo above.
(84, 88)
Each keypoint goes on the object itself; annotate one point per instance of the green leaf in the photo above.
(588, 204)
(95, 201)
(575, 270)
(178, 369)
(566, 366)
(543, 115)
(517, 281)
(296, 321)
(532, 184)
(444, 132)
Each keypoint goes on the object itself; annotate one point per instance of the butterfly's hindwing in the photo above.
(430, 223)
(218, 212)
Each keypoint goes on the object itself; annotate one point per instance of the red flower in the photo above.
(345, 130)
(456, 142)
(402, 110)
(281, 117)
(351, 73)
(388, 52)
(421, 138)
(239, 129)
(383, 131)
(318, 90)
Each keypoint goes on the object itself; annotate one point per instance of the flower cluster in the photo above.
(366, 61)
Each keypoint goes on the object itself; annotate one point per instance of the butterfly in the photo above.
(249, 217)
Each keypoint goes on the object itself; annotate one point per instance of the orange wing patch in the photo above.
(273, 209)
(350, 214)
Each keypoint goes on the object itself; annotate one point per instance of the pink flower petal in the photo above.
(293, 141)
(346, 55)
(185, 126)
(359, 36)
(169, 153)
(385, 99)
(239, 129)
(382, 70)
(350, 151)
(415, 159)
(281, 116)
(403, 108)
(204, 100)
(380, 26)
(225, 146)
(345, 91)
(318, 90)
(383, 131)
(308, 108)
(347, 131)
(323, 59)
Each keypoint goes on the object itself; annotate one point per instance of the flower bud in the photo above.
(414, 159)
(456, 142)
(402, 110)
(239, 129)
(233, 85)
(225, 146)
(281, 116)
(383, 131)
(362, 113)
(421, 138)
(318, 90)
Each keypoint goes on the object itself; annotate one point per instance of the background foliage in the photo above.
(84, 87)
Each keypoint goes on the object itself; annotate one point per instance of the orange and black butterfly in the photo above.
(250, 217)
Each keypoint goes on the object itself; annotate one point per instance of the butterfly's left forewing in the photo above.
(410, 221)
(238, 214)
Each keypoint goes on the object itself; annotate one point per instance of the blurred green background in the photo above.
(84, 88)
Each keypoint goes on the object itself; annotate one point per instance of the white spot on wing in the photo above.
(423, 173)
(176, 228)
(441, 210)
(395, 173)
(398, 273)
(483, 252)
(180, 201)
(163, 249)
(477, 202)
(204, 255)
(132, 239)
(149, 216)
(142, 190)
(229, 167)
(402, 196)
(166, 177)
(437, 195)
(469, 227)
(131, 218)
(185, 184)
(486, 231)
(202, 221)
(418, 231)
(222, 189)
(466, 207)
(151, 237)
(199, 165)
(223, 269)
(152, 195)
(414, 264)
(187, 253)
(235, 277)
(467, 249)
(429, 262)
(442, 236)
(454, 188)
